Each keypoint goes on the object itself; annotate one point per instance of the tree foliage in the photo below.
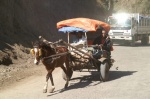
(133, 6)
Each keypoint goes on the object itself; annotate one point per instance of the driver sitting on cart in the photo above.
(79, 40)
(103, 41)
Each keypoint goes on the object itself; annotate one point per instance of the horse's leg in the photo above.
(46, 85)
(53, 87)
(67, 80)
(68, 68)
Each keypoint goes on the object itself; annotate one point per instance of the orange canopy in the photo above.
(84, 23)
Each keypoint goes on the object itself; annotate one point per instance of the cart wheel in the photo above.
(104, 71)
(70, 72)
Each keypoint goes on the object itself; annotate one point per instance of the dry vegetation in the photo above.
(133, 6)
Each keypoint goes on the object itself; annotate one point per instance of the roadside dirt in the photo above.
(21, 68)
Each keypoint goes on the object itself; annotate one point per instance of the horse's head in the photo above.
(36, 51)
(40, 50)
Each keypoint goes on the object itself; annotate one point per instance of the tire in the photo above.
(132, 44)
(127, 43)
(104, 71)
(145, 40)
(70, 72)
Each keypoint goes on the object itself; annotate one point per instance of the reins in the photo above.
(56, 56)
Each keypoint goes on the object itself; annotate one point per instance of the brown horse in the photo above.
(51, 57)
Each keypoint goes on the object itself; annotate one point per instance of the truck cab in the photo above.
(127, 28)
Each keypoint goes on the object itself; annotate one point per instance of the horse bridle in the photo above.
(41, 51)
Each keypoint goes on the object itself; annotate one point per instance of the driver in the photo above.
(103, 41)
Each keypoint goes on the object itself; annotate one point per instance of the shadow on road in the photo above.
(80, 82)
(118, 74)
(92, 80)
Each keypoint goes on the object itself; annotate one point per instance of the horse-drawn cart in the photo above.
(85, 57)
(69, 57)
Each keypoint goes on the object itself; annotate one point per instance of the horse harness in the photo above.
(52, 58)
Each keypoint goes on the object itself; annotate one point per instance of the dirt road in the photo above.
(130, 81)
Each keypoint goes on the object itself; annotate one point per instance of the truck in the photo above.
(129, 28)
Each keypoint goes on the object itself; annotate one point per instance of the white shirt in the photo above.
(79, 41)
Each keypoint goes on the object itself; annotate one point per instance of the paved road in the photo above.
(130, 81)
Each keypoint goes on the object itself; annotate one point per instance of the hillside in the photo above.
(22, 21)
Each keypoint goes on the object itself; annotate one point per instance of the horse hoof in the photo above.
(44, 90)
(51, 90)
(66, 86)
